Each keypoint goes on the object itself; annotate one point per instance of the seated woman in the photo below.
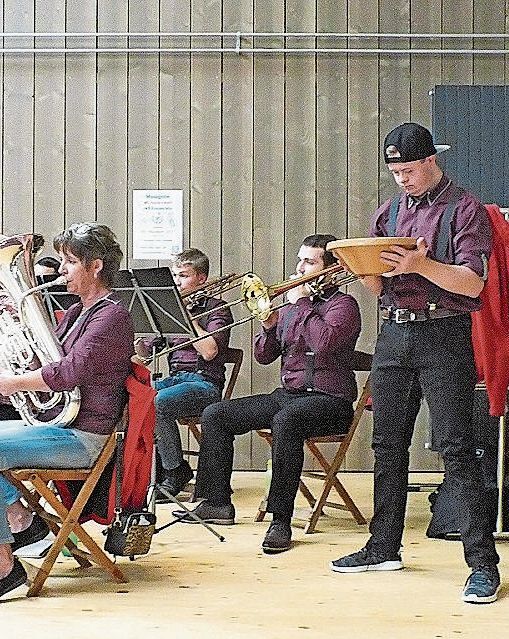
(97, 339)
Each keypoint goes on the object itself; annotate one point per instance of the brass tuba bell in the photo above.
(27, 340)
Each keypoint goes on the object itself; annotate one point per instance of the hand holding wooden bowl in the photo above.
(361, 255)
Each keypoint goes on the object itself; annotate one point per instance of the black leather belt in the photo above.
(403, 315)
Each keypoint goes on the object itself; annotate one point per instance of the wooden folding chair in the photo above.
(65, 521)
(329, 473)
(234, 356)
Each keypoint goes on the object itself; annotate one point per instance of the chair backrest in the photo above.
(234, 356)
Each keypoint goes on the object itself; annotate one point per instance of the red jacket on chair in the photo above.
(490, 325)
(137, 458)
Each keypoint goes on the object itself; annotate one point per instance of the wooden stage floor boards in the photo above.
(193, 586)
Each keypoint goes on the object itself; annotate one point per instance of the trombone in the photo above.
(257, 297)
(212, 288)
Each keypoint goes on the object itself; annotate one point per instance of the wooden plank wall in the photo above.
(267, 148)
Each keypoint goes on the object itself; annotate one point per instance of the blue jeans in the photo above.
(23, 446)
(435, 356)
(182, 394)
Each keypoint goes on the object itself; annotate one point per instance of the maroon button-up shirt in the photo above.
(97, 359)
(315, 339)
(469, 244)
(188, 358)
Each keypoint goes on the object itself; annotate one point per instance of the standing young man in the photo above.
(425, 341)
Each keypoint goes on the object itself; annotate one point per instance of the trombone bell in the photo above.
(255, 296)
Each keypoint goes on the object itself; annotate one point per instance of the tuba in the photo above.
(27, 340)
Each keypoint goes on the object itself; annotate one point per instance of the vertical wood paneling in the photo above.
(111, 126)
(237, 195)
(506, 43)
(269, 168)
(174, 106)
(363, 173)
(18, 118)
(332, 123)
(266, 148)
(174, 121)
(394, 101)
(300, 133)
(426, 70)
(206, 161)
(80, 117)
(486, 68)
(49, 75)
(143, 109)
(2, 102)
(457, 17)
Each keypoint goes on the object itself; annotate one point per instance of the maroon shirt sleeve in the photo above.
(108, 338)
(327, 333)
(327, 327)
(266, 346)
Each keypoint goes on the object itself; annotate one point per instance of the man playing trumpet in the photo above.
(315, 336)
(197, 371)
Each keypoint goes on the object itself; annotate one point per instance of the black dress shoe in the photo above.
(278, 538)
(17, 577)
(37, 530)
(211, 514)
(176, 480)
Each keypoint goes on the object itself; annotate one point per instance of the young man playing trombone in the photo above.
(197, 371)
(315, 336)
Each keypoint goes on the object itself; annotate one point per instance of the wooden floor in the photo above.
(192, 585)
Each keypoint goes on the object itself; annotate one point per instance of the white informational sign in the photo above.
(158, 220)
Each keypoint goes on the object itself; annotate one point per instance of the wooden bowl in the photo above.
(362, 254)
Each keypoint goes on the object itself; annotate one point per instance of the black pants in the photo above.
(436, 356)
(292, 417)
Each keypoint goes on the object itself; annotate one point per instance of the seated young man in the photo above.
(197, 371)
(315, 336)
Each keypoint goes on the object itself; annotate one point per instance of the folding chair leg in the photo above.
(33, 501)
(307, 493)
(331, 480)
(69, 524)
(322, 501)
(262, 510)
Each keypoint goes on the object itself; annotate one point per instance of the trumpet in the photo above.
(257, 297)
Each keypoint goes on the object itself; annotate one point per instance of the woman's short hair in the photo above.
(89, 241)
(195, 258)
(320, 240)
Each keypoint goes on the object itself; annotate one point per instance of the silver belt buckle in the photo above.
(398, 315)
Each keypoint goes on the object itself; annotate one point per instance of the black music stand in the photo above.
(154, 302)
(55, 298)
(155, 305)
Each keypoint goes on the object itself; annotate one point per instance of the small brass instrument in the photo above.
(27, 341)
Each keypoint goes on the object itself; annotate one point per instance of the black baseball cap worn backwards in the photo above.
(409, 142)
